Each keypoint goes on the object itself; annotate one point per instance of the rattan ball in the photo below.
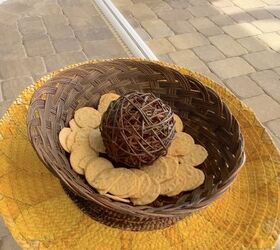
(137, 128)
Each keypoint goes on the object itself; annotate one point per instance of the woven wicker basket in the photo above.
(204, 115)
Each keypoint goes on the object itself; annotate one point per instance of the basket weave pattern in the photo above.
(205, 117)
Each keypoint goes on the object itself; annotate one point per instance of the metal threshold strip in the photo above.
(126, 32)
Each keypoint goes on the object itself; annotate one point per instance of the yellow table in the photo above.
(40, 215)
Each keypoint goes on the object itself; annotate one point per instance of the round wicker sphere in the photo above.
(137, 128)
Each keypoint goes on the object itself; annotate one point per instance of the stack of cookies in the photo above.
(169, 175)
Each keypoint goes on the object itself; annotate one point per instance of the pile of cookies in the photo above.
(169, 175)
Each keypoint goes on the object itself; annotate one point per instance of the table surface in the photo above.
(43, 36)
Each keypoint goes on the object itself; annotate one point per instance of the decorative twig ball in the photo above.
(137, 128)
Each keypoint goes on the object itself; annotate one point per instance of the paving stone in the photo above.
(231, 67)
(89, 33)
(271, 2)
(7, 18)
(12, 35)
(3, 229)
(260, 14)
(249, 4)
(239, 15)
(208, 53)
(180, 26)
(60, 31)
(205, 26)
(222, 20)
(227, 45)
(198, 2)
(9, 243)
(277, 70)
(161, 46)
(15, 7)
(133, 22)
(188, 59)
(12, 88)
(252, 44)
(264, 59)
(103, 48)
(264, 106)
(164, 58)
(81, 15)
(51, 20)
(157, 28)
(143, 33)
(271, 39)
(178, 4)
(267, 79)
(172, 15)
(142, 12)
(243, 87)
(21, 67)
(274, 126)
(11, 51)
(159, 5)
(69, 44)
(188, 40)
(276, 141)
(241, 30)
(120, 3)
(3, 108)
(70, 3)
(57, 61)
(39, 46)
(206, 10)
(31, 25)
(275, 10)
(41, 8)
(268, 25)
(223, 3)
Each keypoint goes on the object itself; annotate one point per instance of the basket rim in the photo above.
(126, 208)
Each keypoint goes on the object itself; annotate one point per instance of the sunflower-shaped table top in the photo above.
(40, 215)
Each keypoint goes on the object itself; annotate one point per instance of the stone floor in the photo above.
(40, 36)
(235, 42)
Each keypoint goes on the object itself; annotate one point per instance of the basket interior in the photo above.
(206, 118)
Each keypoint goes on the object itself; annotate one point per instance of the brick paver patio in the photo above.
(235, 42)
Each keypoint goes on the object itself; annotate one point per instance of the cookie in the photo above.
(176, 185)
(63, 134)
(96, 141)
(179, 126)
(144, 182)
(106, 178)
(195, 157)
(71, 140)
(194, 177)
(87, 117)
(181, 145)
(151, 195)
(105, 101)
(85, 161)
(126, 185)
(78, 153)
(159, 170)
(95, 167)
(116, 198)
(73, 125)
(83, 134)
